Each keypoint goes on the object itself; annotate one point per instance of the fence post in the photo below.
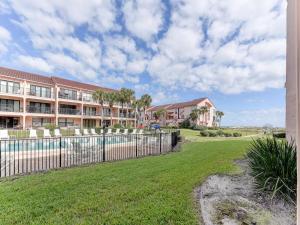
(160, 142)
(136, 146)
(59, 151)
(103, 142)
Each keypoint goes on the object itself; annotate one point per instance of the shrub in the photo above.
(185, 124)
(117, 125)
(279, 135)
(236, 134)
(212, 134)
(273, 165)
(204, 133)
(200, 128)
(220, 133)
(227, 134)
(50, 127)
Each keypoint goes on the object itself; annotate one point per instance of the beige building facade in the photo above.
(176, 113)
(31, 101)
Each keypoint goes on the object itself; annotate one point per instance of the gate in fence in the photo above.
(23, 156)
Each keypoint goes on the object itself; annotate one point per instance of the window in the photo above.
(8, 105)
(40, 91)
(65, 122)
(89, 111)
(40, 122)
(10, 87)
(68, 94)
(38, 107)
(87, 97)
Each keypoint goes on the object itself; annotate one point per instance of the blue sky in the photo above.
(230, 51)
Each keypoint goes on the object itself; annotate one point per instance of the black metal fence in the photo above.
(23, 156)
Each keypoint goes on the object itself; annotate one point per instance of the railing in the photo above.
(11, 90)
(42, 93)
(69, 111)
(10, 108)
(46, 110)
(70, 97)
(24, 156)
(90, 114)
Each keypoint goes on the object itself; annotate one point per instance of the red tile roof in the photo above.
(177, 105)
(25, 76)
(49, 80)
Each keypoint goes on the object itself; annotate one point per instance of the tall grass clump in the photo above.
(274, 167)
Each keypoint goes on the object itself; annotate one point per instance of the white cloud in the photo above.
(34, 63)
(5, 38)
(243, 49)
(143, 18)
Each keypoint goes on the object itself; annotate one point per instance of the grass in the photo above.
(151, 190)
(194, 135)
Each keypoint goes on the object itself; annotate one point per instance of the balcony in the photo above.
(43, 110)
(41, 94)
(10, 108)
(63, 95)
(90, 114)
(67, 111)
(11, 90)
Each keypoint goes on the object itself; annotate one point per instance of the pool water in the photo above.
(51, 144)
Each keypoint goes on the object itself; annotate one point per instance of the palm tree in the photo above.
(159, 113)
(111, 98)
(137, 105)
(125, 95)
(194, 115)
(203, 110)
(219, 115)
(146, 101)
(99, 96)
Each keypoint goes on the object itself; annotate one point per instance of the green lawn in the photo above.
(151, 190)
(194, 135)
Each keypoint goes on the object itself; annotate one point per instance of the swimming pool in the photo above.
(63, 143)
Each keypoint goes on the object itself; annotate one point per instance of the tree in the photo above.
(146, 101)
(124, 96)
(194, 115)
(111, 98)
(219, 115)
(99, 96)
(137, 104)
(203, 110)
(159, 113)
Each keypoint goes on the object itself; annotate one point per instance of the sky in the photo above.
(231, 51)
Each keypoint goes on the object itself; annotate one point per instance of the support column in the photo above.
(293, 84)
(24, 105)
(56, 104)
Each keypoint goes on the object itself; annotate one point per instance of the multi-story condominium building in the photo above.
(29, 100)
(176, 113)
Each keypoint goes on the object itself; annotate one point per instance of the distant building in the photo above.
(30, 101)
(176, 113)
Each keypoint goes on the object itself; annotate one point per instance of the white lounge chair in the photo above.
(101, 131)
(46, 133)
(134, 131)
(86, 132)
(125, 131)
(109, 131)
(32, 134)
(141, 132)
(57, 133)
(93, 132)
(4, 135)
(117, 131)
(77, 132)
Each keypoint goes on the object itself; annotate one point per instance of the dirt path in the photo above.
(232, 200)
